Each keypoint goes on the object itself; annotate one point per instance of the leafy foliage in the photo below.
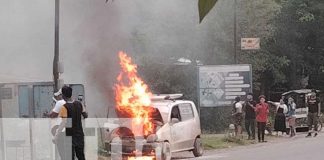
(166, 79)
(204, 7)
(299, 37)
(257, 21)
(292, 38)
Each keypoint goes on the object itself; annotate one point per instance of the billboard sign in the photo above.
(250, 43)
(220, 84)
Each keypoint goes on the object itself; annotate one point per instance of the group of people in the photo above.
(257, 113)
(287, 112)
(69, 111)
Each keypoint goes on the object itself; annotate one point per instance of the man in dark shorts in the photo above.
(249, 108)
(314, 108)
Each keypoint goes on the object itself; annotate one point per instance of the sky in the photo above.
(91, 34)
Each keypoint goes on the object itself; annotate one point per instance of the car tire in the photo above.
(198, 150)
(166, 151)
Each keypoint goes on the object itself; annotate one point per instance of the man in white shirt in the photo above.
(58, 105)
(59, 102)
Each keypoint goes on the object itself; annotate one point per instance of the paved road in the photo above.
(297, 148)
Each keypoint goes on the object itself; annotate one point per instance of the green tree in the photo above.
(299, 36)
(256, 20)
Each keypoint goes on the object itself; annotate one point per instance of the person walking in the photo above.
(262, 111)
(72, 113)
(280, 118)
(291, 115)
(238, 116)
(249, 109)
(314, 109)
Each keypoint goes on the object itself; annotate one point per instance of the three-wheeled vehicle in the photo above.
(300, 97)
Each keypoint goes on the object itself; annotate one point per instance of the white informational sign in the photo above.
(250, 43)
(220, 84)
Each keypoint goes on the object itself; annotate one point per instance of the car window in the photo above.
(186, 111)
(175, 113)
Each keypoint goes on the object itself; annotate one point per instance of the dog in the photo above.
(231, 130)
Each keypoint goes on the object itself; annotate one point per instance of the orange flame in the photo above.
(133, 97)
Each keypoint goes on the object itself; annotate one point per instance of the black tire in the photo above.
(198, 150)
(166, 151)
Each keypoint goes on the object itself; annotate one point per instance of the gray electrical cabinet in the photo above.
(30, 100)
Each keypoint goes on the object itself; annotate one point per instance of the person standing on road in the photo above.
(71, 113)
(291, 115)
(59, 102)
(249, 108)
(262, 111)
(280, 119)
(238, 116)
(314, 110)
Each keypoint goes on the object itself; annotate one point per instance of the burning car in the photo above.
(176, 128)
(151, 126)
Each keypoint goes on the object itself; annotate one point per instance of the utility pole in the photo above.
(235, 38)
(56, 74)
(56, 71)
